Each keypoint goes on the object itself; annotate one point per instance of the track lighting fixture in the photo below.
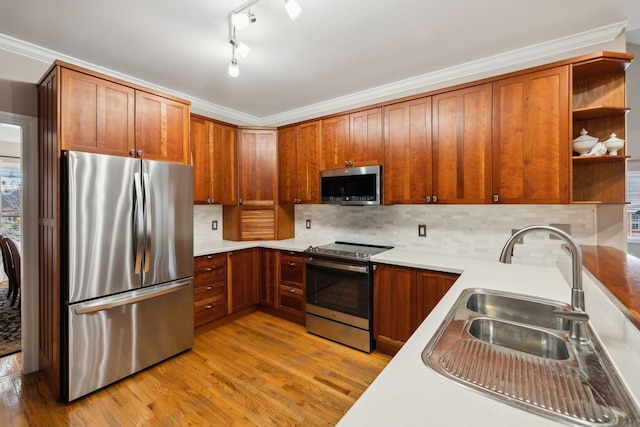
(241, 18)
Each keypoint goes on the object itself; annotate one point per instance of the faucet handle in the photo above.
(578, 323)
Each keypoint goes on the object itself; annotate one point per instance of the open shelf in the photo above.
(599, 112)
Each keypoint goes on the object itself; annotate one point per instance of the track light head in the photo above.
(242, 20)
(234, 71)
(242, 48)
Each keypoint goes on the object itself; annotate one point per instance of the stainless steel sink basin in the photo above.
(520, 309)
(533, 341)
(513, 348)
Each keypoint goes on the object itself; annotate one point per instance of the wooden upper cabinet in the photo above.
(287, 165)
(214, 157)
(352, 140)
(407, 152)
(335, 142)
(531, 137)
(365, 138)
(96, 115)
(162, 128)
(307, 163)
(257, 166)
(462, 146)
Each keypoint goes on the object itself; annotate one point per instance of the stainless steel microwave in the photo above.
(352, 186)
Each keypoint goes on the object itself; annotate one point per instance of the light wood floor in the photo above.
(258, 370)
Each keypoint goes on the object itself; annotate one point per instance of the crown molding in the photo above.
(406, 87)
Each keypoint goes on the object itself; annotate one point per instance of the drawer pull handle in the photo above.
(292, 290)
(209, 306)
(209, 288)
(208, 269)
(292, 264)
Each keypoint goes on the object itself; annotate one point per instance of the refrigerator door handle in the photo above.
(137, 222)
(140, 296)
(147, 219)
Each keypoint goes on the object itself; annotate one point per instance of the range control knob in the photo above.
(312, 248)
(365, 255)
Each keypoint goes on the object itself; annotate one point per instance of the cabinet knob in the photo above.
(239, 201)
(435, 199)
(346, 162)
(139, 153)
(496, 198)
(213, 201)
(428, 199)
(132, 152)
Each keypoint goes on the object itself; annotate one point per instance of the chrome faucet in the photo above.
(576, 316)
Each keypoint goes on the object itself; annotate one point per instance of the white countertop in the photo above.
(407, 393)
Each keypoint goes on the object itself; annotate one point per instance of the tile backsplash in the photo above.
(471, 231)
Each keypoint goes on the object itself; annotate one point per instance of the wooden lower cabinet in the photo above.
(268, 277)
(209, 288)
(291, 284)
(403, 297)
(244, 279)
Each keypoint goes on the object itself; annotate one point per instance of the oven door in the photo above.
(339, 286)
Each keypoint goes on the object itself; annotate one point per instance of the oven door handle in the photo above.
(364, 269)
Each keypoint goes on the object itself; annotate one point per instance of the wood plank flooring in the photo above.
(258, 370)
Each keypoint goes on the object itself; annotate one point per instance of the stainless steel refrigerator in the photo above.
(127, 271)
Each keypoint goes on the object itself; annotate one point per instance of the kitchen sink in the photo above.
(518, 309)
(513, 348)
(533, 341)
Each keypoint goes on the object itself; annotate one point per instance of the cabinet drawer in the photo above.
(209, 260)
(209, 309)
(209, 290)
(292, 269)
(291, 299)
(204, 275)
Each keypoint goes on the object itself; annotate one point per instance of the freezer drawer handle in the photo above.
(132, 300)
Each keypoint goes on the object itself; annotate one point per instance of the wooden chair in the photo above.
(14, 270)
(6, 263)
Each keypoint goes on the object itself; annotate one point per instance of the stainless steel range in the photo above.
(340, 292)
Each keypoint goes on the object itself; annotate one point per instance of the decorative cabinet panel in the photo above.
(530, 137)
(244, 279)
(257, 166)
(352, 140)
(268, 277)
(210, 288)
(298, 164)
(96, 115)
(214, 156)
(403, 297)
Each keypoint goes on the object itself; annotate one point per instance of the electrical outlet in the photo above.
(520, 240)
(214, 224)
(422, 230)
(308, 223)
(564, 227)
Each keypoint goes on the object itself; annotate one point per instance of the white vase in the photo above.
(613, 144)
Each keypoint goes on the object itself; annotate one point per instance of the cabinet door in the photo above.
(268, 276)
(531, 137)
(201, 157)
(244, 279)
(307, 164)
(162, 128)
(430, 288)
(287, 170)
(392, 315)
(407, 152)
(224, 178)
(96, 115)
(462, 146)
(257, 166)
(335, 142)
(365, 138)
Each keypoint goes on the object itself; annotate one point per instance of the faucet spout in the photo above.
(577, 292)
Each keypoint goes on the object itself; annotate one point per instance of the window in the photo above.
(633, 208)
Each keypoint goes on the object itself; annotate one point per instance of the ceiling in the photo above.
(338, 54)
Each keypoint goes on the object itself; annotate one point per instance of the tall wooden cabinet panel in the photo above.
(162, 128)
(268, 277)
(96, 115)
(335, 142)
(213, 150)
(403, 297)
(530, 134)
(365, 138)
(298, 163)
(257, 166)
(462, 146)
(407, 167)
(244, 279)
